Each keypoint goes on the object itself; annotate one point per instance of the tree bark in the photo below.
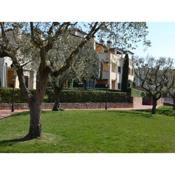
(154, 106)
(57, 93)
(35, 102)
(56, 105)
(35, 123)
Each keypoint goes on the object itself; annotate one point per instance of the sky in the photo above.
(162, 36)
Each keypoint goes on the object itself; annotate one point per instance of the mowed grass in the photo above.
(92, 131)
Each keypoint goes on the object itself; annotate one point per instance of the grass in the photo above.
(93, 131)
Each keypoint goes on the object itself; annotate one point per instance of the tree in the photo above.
(84, 67)
(36, 44)
(41, 38)
(171, 85)
(57, 84)
(152, 75)
(124, 87)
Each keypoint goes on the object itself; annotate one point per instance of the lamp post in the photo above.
(13, 95)
(106, 100)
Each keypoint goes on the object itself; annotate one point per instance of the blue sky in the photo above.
(162, 36)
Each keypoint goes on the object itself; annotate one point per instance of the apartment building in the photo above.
(111, 67)
(8, 77)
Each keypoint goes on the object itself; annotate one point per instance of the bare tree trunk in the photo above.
(154, 106)
(174, 103)
(35, 105)
(56, 105)
(57, 91)
(35, 123)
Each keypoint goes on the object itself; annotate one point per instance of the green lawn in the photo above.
(93, 131)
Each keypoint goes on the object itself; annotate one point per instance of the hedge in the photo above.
(69, 96)
(89, 96)
(137, 93)
(6, 95)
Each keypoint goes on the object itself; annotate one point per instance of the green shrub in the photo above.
(137, 93)
(6, 95)
(89, 96)
(68, 96)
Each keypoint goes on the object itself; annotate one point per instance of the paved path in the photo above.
(4, 113)
(7, 113)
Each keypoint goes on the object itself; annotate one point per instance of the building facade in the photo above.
(111, 67)
(9, 79)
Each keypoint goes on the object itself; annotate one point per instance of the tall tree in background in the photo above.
(35, 44)
(125, 73)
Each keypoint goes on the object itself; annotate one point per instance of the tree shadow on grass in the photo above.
(11, 142)
(137, 113)
(167, 112)
(20, 113)
(144, 113)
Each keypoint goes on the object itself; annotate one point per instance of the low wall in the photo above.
(137, 102)
(134, 102)
(148, 101)
(6, 106)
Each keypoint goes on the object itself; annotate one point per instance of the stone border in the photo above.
(17, 106)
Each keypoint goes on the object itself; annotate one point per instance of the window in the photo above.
(106, 67)
(119, 69)
(26, 81)
(113, 67)
(119, 86)
(131, 72)
(10, 77)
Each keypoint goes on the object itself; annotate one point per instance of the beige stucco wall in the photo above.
(114, 76)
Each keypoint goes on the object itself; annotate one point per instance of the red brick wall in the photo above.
(70, 105)
(148, 101)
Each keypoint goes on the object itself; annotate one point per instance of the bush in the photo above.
(6, 95)
(137, 92)
(68, 96)
(89, 96)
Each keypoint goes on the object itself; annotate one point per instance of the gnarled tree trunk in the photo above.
(57, 91)
(35, 102)
(35, 116)
(56, 105)
(154, 105)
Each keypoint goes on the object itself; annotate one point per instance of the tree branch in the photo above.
(69, 60)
